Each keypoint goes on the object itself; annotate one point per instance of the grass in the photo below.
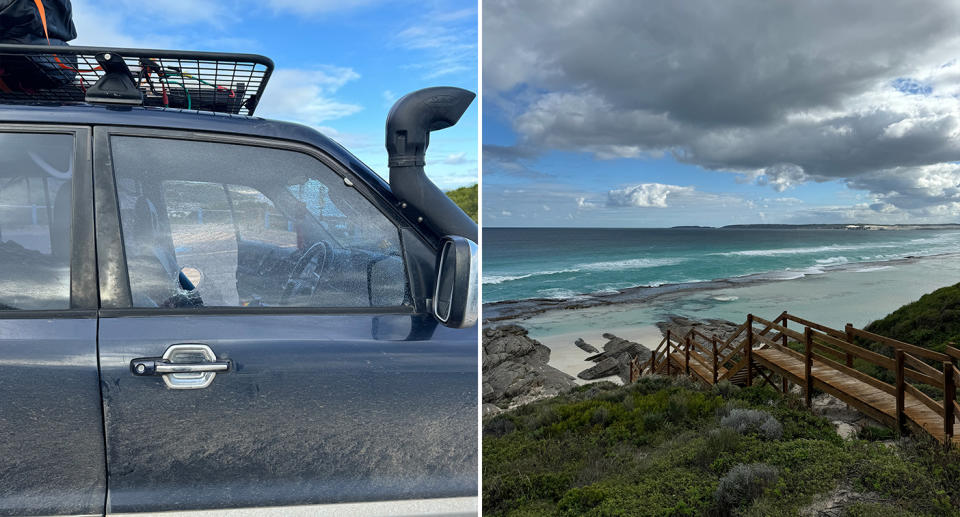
(466, 199)
(657, 447)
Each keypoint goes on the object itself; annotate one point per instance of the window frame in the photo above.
(84, 297)
(115, 294)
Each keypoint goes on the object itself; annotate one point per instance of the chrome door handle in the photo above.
(183, 366)
(157, 366)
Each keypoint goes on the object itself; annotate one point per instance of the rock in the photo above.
(846, 420)
(586, 347)
(515, 369)
(845, 430)
(834, 504)
(615, 359)
(490, 410)
(606, 367)
(680, 326)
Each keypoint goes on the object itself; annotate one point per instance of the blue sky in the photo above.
(339, 65)
(652, 114)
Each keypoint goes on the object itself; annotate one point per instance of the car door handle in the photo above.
(158, 366)
(182, 366)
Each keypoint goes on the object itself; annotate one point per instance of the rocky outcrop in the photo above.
(515, 369)
(586, 347)
(680, 326)
(615, 359)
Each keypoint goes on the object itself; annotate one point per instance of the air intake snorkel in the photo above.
(409, 124)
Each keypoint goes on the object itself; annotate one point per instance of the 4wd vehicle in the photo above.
(201, 309)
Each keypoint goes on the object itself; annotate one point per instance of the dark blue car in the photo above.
(201, 309)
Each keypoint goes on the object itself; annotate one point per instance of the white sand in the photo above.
(570, 359)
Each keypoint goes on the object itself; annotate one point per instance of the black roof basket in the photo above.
(208, 81)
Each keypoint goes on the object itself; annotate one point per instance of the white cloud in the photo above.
(782, 95)
(306, 96)
(455, 158)
(449, 43)
(645, 195)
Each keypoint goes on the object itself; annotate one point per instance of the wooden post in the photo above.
(786, 384)
(749, 351)
(668, 352)
(715, 360)
(686, 355)
(849, 329)
(808, 366)
(901, 417)
(783, 321)
(949, 395)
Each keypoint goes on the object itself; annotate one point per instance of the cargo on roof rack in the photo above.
(208, 81)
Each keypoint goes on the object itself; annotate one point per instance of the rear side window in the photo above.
(36, 172)
(221, 225)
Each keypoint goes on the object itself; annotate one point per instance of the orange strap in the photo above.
(43, 19)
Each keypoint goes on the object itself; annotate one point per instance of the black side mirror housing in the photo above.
(456, 296)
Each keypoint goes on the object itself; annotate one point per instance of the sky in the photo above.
(652, 114)
(340, 65)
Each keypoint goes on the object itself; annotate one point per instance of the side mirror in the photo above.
(455, 296)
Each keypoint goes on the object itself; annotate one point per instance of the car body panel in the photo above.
(316, 409)
(51, 453)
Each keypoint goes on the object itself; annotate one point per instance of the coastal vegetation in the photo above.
(466, 199)
(666, 446)
(932, 322)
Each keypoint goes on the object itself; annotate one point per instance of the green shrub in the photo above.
(876, 433)
(466, 199)
(746, 421)
(743, 484)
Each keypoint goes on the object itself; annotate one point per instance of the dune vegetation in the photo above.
(665, 446)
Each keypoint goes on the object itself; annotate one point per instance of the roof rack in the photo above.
(208, 81)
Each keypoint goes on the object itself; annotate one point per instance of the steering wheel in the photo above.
(305, 275)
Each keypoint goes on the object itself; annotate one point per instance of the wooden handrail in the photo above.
(952, 352)
(925, 373)
(780, 328)
(735, 334)
(816, 326)
(900, 345)
(867, 355)
(724, 359)
(934, 406)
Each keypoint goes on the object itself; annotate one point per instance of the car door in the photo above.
(51, 427)
(295, 287)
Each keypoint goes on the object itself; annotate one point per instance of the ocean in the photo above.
(523, 263)
(571, 282)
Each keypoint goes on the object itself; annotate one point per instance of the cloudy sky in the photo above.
(650, 114)
(339, 65)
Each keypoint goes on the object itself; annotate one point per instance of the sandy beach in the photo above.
(570, 359)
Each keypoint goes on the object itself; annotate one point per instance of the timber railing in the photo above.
(912, 378)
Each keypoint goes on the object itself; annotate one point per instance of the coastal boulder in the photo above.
(615, 359)
(515, 368)
(606, 367)
(586, 347)
(679, 326)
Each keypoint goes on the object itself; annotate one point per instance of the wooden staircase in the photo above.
(760, 349)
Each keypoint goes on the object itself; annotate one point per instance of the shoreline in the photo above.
(516, 310)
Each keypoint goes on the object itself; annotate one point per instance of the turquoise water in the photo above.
(563, 263)
(834, 298)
